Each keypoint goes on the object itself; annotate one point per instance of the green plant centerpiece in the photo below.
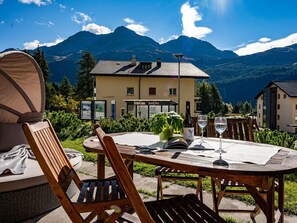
(166, 124)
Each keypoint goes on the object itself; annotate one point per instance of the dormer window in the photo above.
(146, 65)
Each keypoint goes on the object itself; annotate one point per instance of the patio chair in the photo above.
(178, 209)
(169, 174)
(95, 196)
(239, 129)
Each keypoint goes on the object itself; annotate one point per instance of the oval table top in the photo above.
(283, 162)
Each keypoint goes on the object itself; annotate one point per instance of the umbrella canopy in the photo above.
(22, 90)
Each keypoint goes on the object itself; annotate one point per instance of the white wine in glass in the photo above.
(202, 122)
(220, 126)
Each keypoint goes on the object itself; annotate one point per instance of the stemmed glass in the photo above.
(220, 126)
(202, 122)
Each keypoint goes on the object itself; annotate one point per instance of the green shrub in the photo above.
(68, 125)
(275, 138)
(127, 123)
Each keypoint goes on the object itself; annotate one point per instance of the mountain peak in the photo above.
(123, 29)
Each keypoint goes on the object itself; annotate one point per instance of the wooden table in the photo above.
(252, 175)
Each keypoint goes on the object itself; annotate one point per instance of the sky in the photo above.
(243, 26)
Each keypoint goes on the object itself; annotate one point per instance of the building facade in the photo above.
(145, 88)
(277, 106)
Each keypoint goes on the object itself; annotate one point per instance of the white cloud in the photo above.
(35, 43)
(81, 18)
(190, 15)
(62, 6)
(2, 22)
(1, 2)
(36, 2)
(96, 29)
(265, 44)
(128, 20)
(136, 27)
(162, 40)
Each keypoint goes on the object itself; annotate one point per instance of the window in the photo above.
(296, 106)
(278, 106)
(152, 91)
(172, 91)
(278, 96)
(130, 90)
(278, 117)
(285, 96)
(259, 106)
(259, 115)
(277, 127)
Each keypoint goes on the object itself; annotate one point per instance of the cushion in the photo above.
(33, 176)
(11, 134)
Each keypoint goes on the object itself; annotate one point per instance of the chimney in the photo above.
(133, 60)
(159, 62)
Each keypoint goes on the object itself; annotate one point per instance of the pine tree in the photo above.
(84, 88)
(216, 101)
(203, 90)
(66, 88)
(40, 59)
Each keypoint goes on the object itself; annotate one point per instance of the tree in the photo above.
(203, 90)
(247, 107)
(40, 59)
(66, 88)
(216, 101)
(85, 86)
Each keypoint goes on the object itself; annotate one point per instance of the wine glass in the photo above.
(220, 126)
(202, 122)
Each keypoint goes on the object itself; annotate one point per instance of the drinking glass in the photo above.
(220, 126)
(202, 122)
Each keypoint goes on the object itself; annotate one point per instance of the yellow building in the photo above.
(277, 106)
(145, 88)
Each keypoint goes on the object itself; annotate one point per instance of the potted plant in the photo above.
(166, 124)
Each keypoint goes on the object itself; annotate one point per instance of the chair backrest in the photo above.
(237, 128)
(240, 129)
(52, 160)
(123, 175)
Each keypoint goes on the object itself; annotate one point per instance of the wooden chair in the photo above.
(178, 209)
(239, 129)
(95, 196)
(169, 174)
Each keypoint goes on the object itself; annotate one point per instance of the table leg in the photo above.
(270, 203)
(100, 166)
(281, 198)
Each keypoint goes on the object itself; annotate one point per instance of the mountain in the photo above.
(195, 48)
(238, 78)
(244, 77)
(121, 45)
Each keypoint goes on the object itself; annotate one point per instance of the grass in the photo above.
(148, 170)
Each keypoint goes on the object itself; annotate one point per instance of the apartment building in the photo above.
(277, 106)
(145, 88)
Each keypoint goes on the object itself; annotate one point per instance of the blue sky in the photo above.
(244, 26)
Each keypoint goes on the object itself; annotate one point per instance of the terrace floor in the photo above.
(88, 170)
